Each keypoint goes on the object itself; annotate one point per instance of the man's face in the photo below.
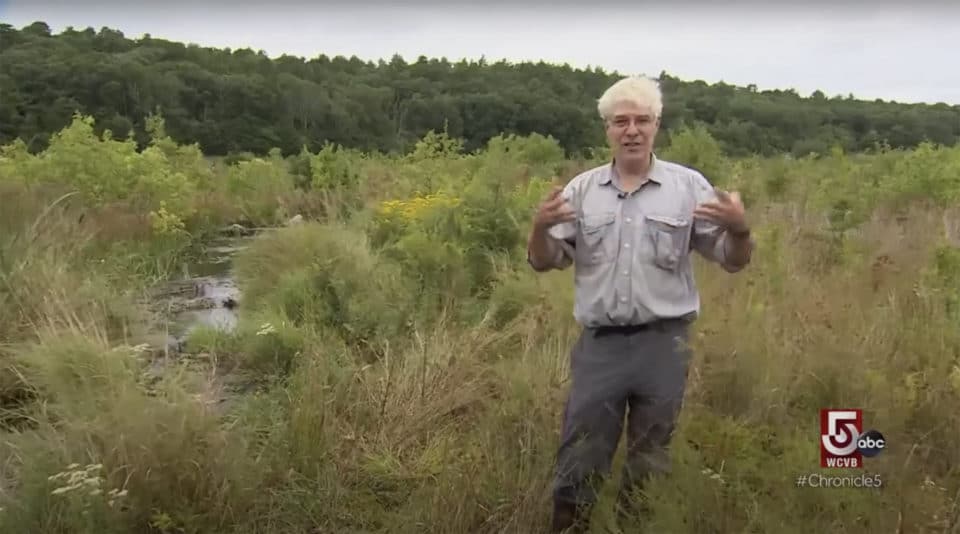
(631, 131)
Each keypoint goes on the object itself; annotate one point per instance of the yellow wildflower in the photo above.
(418, 207)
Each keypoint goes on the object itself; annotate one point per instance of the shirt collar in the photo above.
(655, 173)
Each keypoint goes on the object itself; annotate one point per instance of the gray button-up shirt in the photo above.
(632, 252)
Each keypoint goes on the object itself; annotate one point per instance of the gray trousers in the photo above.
(640, 371)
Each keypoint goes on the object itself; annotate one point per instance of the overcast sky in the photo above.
(873, 50)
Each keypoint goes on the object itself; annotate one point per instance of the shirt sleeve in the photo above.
(566, 242)
(564, 235)
(708, 238)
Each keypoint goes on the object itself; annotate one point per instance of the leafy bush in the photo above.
(695, 147)
(325, 277)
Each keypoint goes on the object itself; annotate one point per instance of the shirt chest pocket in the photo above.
(598, 238)
(670, 238)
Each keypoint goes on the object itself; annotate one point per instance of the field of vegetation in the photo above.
(404, 370)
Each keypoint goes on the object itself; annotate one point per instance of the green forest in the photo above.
(234, 101)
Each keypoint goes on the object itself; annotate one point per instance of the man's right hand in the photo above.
(553, 210)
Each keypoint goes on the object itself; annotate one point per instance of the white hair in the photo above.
(639, 90)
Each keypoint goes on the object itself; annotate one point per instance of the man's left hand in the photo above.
(727, 211)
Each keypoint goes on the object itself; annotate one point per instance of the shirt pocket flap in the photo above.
(669, 222)
(595, 222)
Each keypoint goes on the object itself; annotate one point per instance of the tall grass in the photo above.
(402, 370)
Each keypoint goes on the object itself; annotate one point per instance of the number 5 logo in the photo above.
(839, 438)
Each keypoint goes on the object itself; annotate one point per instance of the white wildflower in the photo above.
(63, 490)
(266, 329)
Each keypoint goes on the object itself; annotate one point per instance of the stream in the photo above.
(214, 297)
(205, 294)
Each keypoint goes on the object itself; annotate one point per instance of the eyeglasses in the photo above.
(625, 122)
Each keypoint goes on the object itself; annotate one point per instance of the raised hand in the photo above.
(726, 211)
(554, 210)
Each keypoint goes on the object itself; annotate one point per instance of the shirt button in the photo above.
(626, 273)
(629, 219)
(623, 299)
(626, 245)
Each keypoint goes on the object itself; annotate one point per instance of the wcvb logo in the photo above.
(842, 440)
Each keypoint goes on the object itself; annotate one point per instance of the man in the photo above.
(629, 228)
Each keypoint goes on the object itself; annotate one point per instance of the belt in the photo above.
(656, 324)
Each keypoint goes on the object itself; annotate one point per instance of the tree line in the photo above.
(231, 101)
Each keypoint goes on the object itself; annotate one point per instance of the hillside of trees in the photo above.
(231, 101)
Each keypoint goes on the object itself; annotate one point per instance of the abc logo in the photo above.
(870, 443)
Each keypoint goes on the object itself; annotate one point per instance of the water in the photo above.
(215, 293)
(207, 294)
